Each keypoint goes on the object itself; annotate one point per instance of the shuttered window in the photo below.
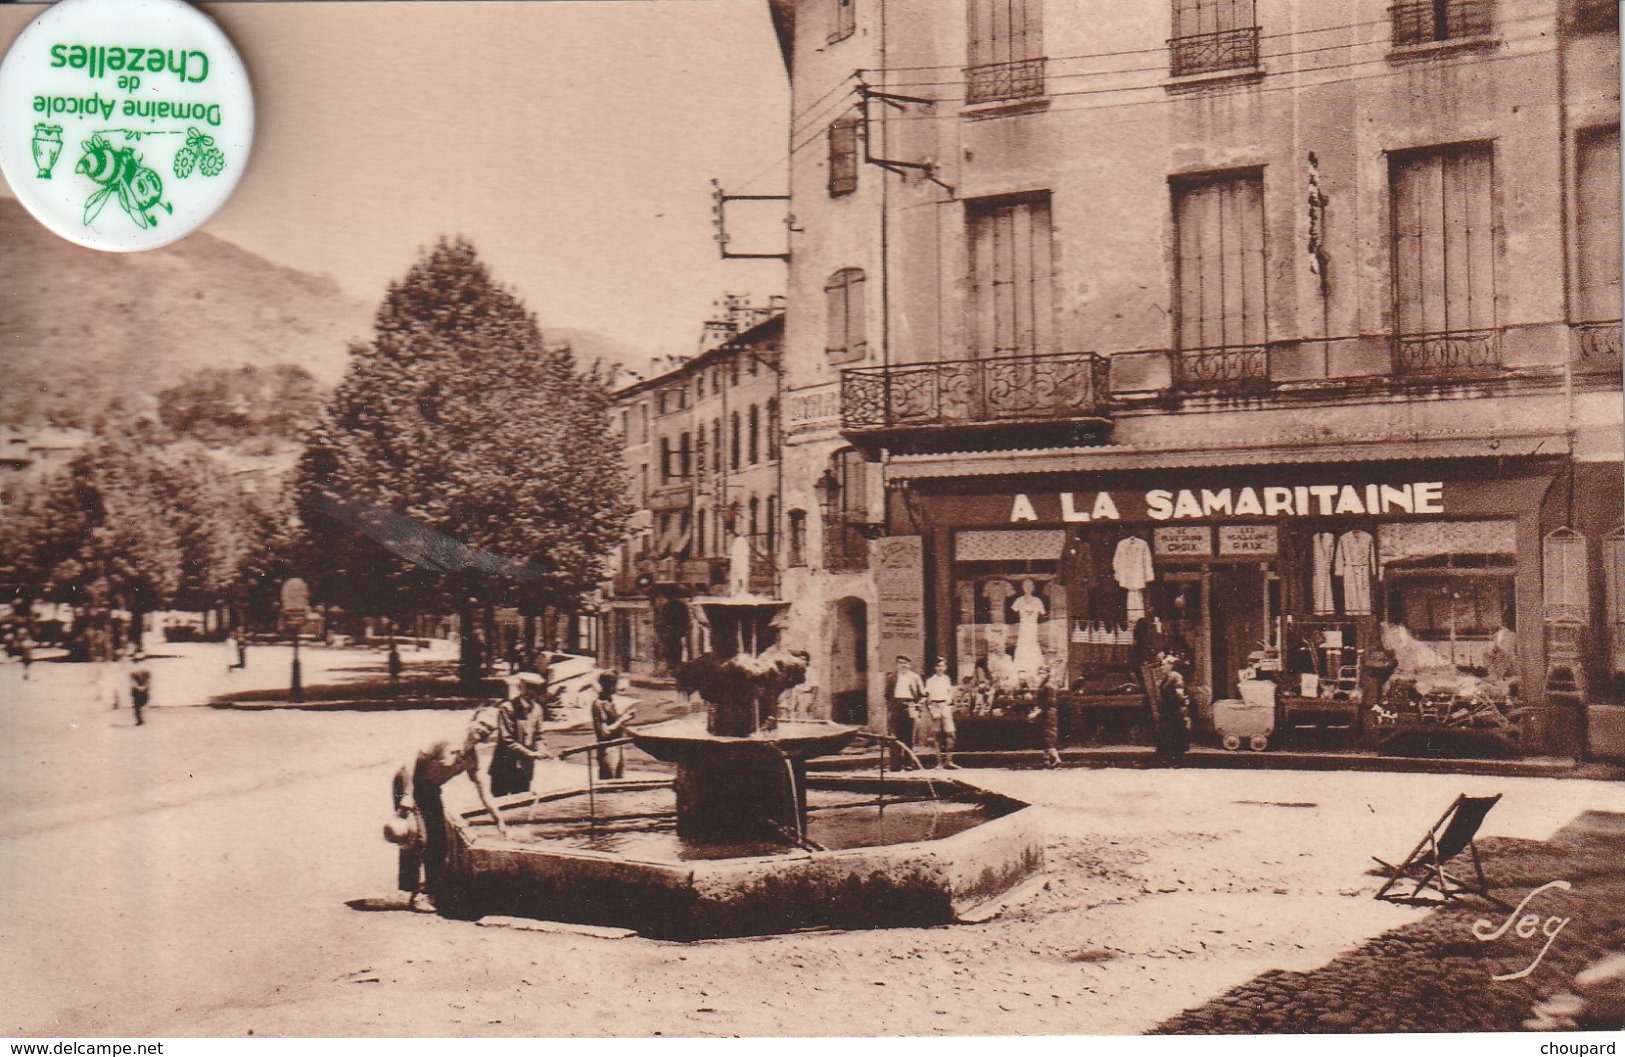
(1006, 49)
(843, 155)
(1011, 272)
(1444, 242)
(1221, 262)
(845, 336)
(846, 20)
(1598, 206)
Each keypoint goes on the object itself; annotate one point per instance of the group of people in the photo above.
(498, 752)
(909, 698)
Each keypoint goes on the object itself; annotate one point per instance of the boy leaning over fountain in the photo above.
(417, 788)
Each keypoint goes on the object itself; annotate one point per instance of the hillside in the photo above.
(79, 327)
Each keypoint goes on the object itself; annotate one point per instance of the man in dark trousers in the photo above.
(904, 692)
(417, 792)
(140, 687)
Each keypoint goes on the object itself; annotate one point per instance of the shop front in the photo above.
(1403, 607)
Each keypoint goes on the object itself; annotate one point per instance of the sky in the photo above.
(572, 141)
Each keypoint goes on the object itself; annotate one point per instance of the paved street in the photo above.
(197, 876)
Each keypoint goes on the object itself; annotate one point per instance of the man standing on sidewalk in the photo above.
(904, 691)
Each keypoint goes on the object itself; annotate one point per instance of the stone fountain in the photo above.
(754, 845)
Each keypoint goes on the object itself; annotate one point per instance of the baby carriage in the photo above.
(1250, 720)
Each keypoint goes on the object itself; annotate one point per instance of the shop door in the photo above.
(1237, 622)
(849, 662)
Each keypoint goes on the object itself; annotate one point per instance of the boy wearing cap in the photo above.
(417, 789)
(519, 736)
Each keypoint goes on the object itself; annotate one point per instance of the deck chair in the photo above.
(1446, 839)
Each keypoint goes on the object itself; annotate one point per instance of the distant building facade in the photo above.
(701, 444)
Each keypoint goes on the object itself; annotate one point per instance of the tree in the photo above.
(462, 458)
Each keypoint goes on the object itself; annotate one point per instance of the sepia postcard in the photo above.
(875, 519)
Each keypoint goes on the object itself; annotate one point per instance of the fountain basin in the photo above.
(915, 862)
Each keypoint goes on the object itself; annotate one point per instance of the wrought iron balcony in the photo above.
(1230, 49)
(1026, 391)
(1227, 369)
(1597, 347)
(1458, 353)
(1005, 81)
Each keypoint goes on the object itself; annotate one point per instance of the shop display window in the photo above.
(1613, 568)
(1010, 611)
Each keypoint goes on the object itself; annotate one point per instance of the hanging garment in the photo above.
(1325, 551)
(1355, 562)
(1029, 657)
(1131, 564)
(997, 593)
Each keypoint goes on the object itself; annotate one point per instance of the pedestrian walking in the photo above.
(904, 692)
(25, 653)
(231, 654)
(609, 722)
(939, 705)
(140, 687)
(1049, 699)
(416, 791)
(242, 652)
(519, 737)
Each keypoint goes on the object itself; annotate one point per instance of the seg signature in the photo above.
(1528, 925)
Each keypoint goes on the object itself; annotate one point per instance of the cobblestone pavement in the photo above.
(1434, 974)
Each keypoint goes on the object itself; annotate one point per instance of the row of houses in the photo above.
(1286, 332)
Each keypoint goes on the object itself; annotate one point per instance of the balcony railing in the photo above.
(1230, 49)
(1009, 389)
(1232, 367)
(1431, 21)
(1458, 353)
(1597, 347)
(1005, 81)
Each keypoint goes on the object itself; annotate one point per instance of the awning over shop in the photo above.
(1124, 457)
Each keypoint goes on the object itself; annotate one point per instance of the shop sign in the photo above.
(810, 407)
(898, 566)
(1248, 540)
(1276, 501)
(1183, 541)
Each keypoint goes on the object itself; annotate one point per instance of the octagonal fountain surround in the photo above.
(753, 844)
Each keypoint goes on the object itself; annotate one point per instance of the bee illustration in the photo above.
(119, 171)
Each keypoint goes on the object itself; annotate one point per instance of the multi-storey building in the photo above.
(701, 441)
(1289, 327)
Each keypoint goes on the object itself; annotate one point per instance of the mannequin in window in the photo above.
(1029, 609)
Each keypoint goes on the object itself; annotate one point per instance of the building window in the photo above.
(699, 535)
(643, 422)
(846, 20)
(844, 323)
(733, 371)
(773, 430)
(843, 155)
(798, 538)
(1011, 299)
(685, 464)
(1444, 260)
(1598, 208)
(1221, 324)
(1431, 21)
(1006, 54)
(665, 459)
(733, 445)
(716, 445)
(626, 427)
(754, 435)
(772, 527)
(1213, 35)
(755, 517)
(643, 485)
